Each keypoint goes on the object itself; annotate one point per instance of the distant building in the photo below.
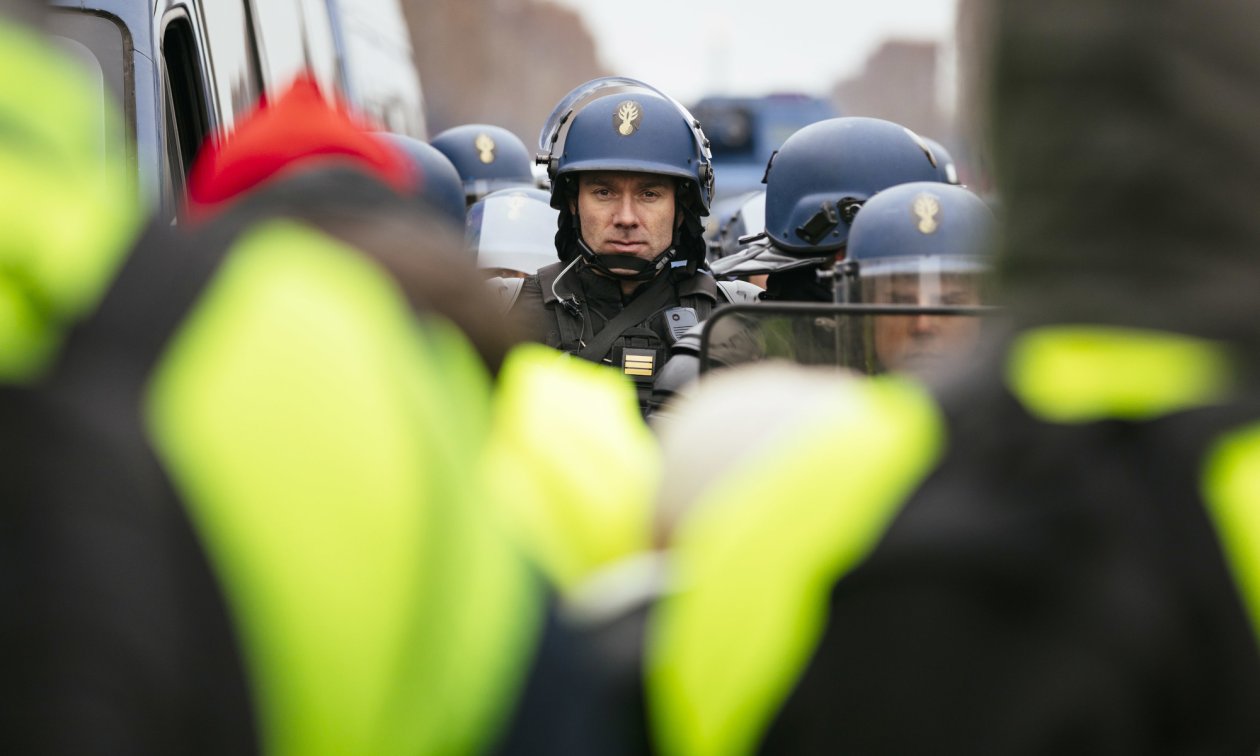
(972, 34)
(898, 83)
(504, 62)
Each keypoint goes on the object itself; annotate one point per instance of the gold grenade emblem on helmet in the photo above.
(485, 148)
(926, 208)
(627, 118)
(516, 205)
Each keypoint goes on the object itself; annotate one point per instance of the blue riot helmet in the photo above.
(512, 231)
(619, 124)
(440, 187)
(487, 157)
(944, 162)
(925, 244)
(822, 175)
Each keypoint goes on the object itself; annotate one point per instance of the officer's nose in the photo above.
(624, 214)
(924, 324)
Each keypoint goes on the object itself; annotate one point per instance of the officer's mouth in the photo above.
(625, 247)
(920, 359)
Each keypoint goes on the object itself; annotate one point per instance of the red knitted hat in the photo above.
(298, 129)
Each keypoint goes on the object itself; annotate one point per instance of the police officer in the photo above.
(245, 403)
(1054, 552)
(488, 158)
(924, 245)
(632, 178)
(815, 185)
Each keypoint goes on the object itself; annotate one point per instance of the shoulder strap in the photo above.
(658, 294)
(508, 290)
(739, 292)
(547, 276)
(699, 292)
(571, 329)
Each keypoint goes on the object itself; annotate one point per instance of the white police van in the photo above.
(184, 69)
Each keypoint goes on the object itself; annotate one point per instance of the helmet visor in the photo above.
(512, 231)
(919, 342)
(581, 95)
(925, 281)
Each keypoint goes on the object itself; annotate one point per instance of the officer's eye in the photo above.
(958, 298)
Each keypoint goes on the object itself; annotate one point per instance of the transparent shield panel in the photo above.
(512, 230)
(863, 338)
(554, 127)
(579, 95)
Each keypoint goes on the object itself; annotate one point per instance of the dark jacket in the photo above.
(567, 312)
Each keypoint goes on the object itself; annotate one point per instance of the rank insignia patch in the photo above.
(641, 362)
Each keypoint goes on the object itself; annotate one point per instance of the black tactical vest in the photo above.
(582, 304)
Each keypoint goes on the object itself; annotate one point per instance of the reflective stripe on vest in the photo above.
(1079, 374)
(1082, 374)
(68, 209)
(572, 461)
(325, 445)
(756, 562)
(1231, 488)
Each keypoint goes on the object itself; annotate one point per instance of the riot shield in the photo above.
(865, 338)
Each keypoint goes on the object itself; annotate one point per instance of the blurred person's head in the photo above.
(1126, 156)
(298, 131)
(304, 158)
(488, 158)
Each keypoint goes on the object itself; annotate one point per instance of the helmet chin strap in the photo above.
(644, 270)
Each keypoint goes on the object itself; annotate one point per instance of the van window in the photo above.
(102, 48)
(294, 36)
(321, 44)
(187, 119)
(729, 129)
(234, 58)
(377, 63)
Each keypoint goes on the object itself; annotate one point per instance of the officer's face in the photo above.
(626, 213)
(918, 342)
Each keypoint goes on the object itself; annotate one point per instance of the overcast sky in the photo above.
(689, 48)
